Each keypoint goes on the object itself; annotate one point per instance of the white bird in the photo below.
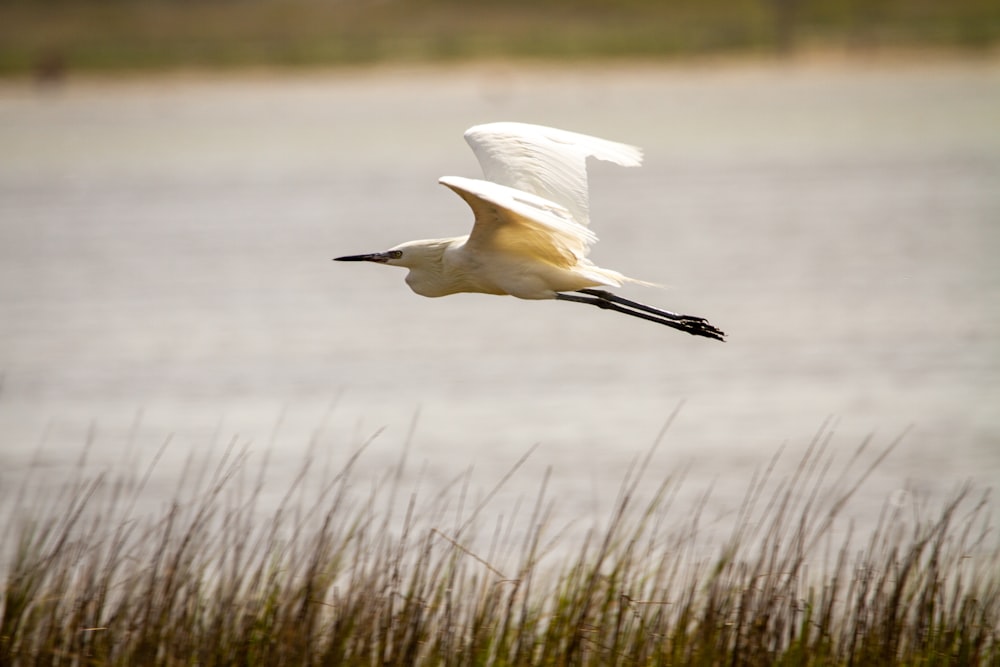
(531, 237)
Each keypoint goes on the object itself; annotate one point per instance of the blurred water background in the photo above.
(165, 276)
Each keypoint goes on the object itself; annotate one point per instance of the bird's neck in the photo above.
(431, 271)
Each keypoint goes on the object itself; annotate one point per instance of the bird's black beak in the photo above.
(380, 257)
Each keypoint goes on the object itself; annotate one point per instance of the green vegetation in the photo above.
(347, 578)
(47, 37)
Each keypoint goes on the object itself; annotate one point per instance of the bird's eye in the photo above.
(395, 254)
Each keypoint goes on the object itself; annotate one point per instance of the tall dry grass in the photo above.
(342, 578)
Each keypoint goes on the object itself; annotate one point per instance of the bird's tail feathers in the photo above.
(645, 283)
(610, 278)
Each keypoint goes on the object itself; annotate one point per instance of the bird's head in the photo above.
(412, 254)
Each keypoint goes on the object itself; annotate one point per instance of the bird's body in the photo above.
(530, 238)
(521, 245)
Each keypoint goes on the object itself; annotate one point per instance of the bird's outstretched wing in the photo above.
(545, 161)
(519, 222)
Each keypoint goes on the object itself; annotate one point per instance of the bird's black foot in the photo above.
(699, 326)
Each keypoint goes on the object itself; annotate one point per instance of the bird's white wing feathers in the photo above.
(514, 221)
(545, 161)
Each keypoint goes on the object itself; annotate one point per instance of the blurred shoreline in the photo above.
(52, 41)
(818, 60)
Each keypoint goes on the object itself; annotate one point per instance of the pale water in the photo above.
(165, 272)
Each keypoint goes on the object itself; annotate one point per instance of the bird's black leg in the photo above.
(604, 294)
(696, 326)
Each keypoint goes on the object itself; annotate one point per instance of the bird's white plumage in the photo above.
(545, 161)
(509, 220)
(530, 236)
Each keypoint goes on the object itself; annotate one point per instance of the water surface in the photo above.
(165, 272)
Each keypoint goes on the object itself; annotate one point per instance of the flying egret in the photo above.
(530, 237)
